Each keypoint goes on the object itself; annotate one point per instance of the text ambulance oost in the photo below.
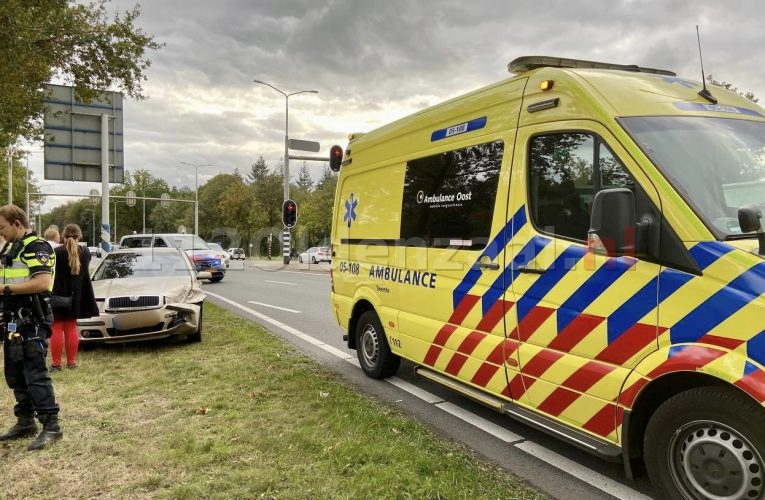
(579, 247)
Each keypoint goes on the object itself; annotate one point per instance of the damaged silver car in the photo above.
(145, 294)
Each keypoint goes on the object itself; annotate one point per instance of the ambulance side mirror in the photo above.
(749, 219)
(613, 223)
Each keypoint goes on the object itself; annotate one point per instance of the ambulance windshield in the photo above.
(716, 164)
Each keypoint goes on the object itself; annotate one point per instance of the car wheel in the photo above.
(372, 348)
(313, 260)
(197, 336)
(706, 443)
(300, 259)
(216, 279)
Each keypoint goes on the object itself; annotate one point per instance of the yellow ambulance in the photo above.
(580, 247)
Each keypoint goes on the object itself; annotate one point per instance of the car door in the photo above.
(583, 320)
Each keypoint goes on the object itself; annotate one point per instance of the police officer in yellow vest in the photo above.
(28, 264)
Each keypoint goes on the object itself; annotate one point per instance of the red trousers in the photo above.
(64, 333)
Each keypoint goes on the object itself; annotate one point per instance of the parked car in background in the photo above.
(203, 257)
(143, 294)
(95, 251)
(237, 253)
(314, 255)
(224, 254)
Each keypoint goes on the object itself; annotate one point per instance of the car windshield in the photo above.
(142, 265)
(716, 164)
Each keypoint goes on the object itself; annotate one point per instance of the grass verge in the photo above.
(241, 415)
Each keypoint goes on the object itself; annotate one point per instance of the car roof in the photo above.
(147, 250)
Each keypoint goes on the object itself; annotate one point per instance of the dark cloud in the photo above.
(373, 61)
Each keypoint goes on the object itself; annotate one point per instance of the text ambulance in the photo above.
(579, 247)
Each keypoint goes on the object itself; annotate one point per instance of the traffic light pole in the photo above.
(286, 245)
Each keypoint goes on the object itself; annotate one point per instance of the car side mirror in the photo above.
(613, 223)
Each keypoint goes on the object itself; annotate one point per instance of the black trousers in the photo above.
(28, 377)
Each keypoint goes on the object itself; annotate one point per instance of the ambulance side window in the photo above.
(565, 172)
(449, 197)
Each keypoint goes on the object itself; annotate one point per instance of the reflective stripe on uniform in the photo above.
(26, 264)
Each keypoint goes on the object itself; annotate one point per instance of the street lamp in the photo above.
(286, 132)
(286, 143)
(196, 193)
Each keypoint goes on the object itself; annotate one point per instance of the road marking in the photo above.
(269, 305)
(307, 273)
(481, 423)
(280, 282)
(412, 389)
(599, 481)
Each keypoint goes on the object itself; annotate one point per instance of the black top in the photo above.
(78, 286)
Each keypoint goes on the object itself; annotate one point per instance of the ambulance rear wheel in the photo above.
(372, 348)
(707, 443)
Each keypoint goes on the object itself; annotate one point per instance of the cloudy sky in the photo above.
(373, 61)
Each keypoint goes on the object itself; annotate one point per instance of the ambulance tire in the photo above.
(706, 443)
(372, 348)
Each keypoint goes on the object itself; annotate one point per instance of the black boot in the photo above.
(50, 433)
(24, 427)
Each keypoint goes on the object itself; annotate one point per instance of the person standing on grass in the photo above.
(72, 280)
(52, 236)
(27, 266)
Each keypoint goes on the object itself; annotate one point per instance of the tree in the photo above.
(19, 176)
(212, 213)
(315, 222)
(731, 87)
(304, 180)
(233, 227)
(258, 171)
(45, 39)
(177, 213)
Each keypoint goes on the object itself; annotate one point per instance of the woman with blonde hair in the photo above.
(72, 280)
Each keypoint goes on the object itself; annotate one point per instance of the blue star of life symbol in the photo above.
(350, 210)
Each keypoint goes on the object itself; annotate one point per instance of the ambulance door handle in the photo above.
(486, 263)
(530, 270)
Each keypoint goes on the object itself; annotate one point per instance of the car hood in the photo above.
(207, 254)
(176, 289)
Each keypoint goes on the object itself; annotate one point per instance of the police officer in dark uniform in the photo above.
(26, 276)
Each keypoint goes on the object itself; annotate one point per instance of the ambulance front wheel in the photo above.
(707, 443)
(372, 348)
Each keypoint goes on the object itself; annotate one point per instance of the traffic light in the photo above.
(335, 158)
(289, 213)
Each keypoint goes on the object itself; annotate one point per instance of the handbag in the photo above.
(61, 302)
